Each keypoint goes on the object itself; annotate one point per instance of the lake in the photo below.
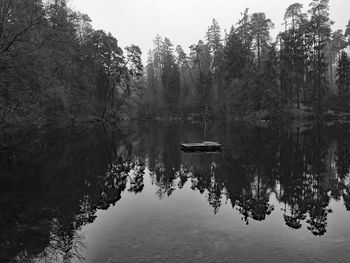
(127, 193)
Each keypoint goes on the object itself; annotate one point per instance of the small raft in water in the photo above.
(201, 147)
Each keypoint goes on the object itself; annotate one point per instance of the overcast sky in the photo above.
(185, 21)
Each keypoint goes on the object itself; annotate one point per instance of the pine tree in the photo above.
(319, 33)
(343, 74)
(260, 31)
(271, 98)
(293, 53)
(182, 61)
(336, 43)
(235, 56)
(214, 43)
(347, 33)
(201, 60)
(170, 75)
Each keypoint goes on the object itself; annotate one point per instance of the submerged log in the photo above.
(201, 147)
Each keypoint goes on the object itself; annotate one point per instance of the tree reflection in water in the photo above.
(298, 166)
(51, 188)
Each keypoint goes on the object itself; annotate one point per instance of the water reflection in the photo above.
(305, 169)
(53, 187)
(50, 189)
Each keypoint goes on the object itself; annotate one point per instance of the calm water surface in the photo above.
(128, 194)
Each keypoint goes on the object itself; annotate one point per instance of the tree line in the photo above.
(55, 66)
(244, 71)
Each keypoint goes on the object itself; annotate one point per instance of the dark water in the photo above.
(128, 194)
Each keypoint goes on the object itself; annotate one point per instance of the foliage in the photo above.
(343, 73)
(54, 65)
(245, 72)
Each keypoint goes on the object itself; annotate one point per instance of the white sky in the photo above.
(184, 22)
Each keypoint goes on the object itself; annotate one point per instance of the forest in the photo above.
(55, 68)
(244, 72)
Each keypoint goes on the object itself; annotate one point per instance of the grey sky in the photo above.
(185, 21)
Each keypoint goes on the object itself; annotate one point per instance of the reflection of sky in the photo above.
(183, 226)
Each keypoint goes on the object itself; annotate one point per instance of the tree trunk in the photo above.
(259, 58)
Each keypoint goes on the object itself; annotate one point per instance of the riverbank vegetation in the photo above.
(55, 68)
(244, 72)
